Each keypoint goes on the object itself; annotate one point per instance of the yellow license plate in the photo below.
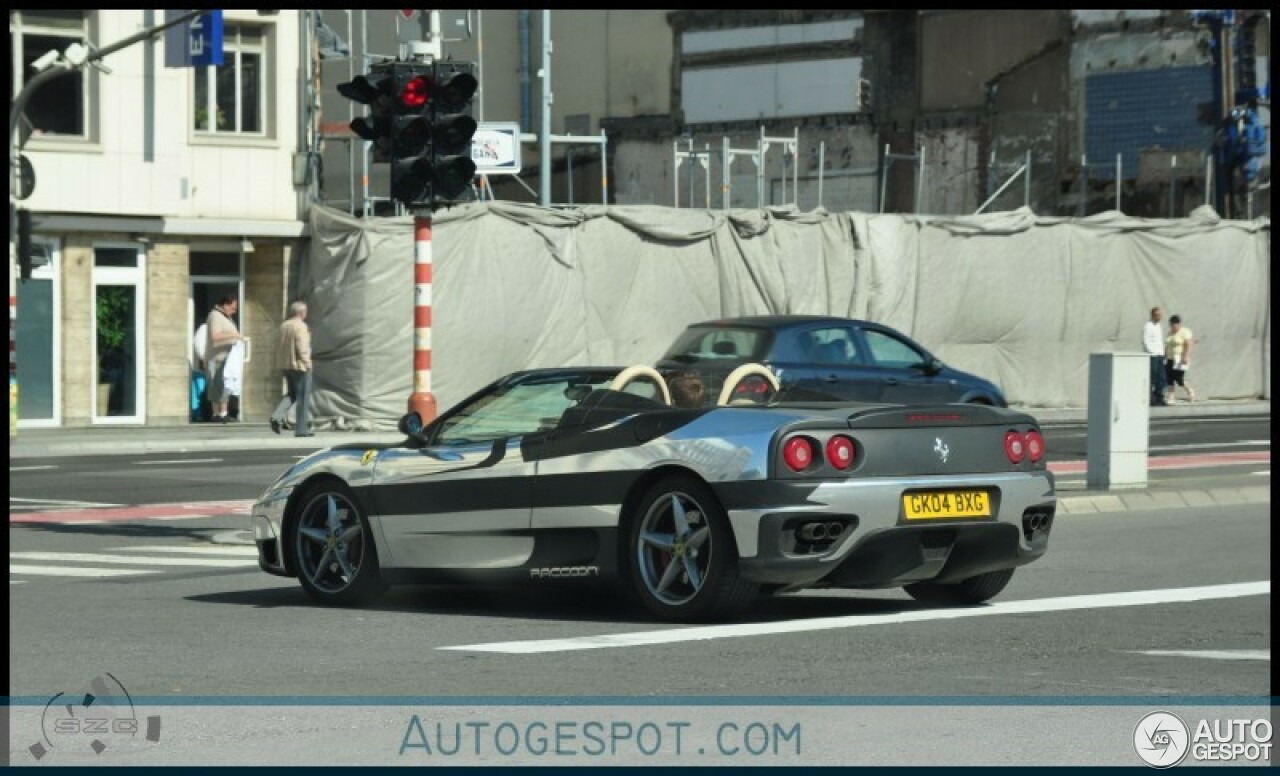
(943, 504)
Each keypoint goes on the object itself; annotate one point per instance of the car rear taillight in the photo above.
(799, 453)
(1014, 447)
(1035, 445)
(840, 452)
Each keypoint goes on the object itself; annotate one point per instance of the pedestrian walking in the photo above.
(223, 335)
(1177, 358)
(1153, 343)
(295, 359)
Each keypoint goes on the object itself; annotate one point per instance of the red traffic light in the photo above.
(416, 92)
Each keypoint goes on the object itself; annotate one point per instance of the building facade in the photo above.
(158, 191)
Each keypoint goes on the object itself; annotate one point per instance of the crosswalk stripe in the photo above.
(222, 549)
(74, 571)
(136, 560)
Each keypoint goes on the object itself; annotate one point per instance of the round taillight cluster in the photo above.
(798, 453)
(840, 452)
(1035, 445)
(1019, 446)
(802, 453)
(1014, 447)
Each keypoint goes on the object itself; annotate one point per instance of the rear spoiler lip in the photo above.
(937, 415)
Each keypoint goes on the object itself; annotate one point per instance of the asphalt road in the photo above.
(239, 475)
(1162, 604)
(193, 629)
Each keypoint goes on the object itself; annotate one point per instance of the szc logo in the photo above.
(1161, 739)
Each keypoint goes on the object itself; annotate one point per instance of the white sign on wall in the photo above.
(495, 148)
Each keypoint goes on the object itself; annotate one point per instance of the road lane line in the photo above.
(136, 560)
(179, 511)
(1267, 473)
(181, 461)
(1210, 654)
(61, 502)
(229, 549)
(1199, 445)
(74, 571)
(13, 469)
(1032, 606)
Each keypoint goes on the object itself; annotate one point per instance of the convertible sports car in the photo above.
(593, 474)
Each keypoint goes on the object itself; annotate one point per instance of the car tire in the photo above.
(974, 590)
(332, 547)
(684, 576)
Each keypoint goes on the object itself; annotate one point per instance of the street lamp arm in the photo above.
(20, 102)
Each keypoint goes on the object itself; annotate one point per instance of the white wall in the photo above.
(186, 176)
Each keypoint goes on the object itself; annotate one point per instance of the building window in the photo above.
(60, 107)
(231, 97)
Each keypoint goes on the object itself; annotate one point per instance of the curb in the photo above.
(1144, 500)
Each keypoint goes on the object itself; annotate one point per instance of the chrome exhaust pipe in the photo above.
(834, 529)
(812, 532)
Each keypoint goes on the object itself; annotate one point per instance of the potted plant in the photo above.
(114, 307)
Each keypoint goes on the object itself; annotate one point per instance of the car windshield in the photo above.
(713, 343)
(526, 407)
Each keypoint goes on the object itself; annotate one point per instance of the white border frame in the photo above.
(136, 276)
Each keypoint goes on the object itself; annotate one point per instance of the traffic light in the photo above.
(864, 94)
(451, 162)
(420, 121)
(431, 159)
(375, 90)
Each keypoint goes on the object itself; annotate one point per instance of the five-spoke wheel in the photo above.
(682, 560)
(333, 550)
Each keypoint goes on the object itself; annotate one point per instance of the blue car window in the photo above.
(833, 346)
(889, 351)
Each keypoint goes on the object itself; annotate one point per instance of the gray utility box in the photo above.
(1119, 416)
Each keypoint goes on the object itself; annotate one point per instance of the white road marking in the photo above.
(59, 502)
(1197, 446)
(1267, 473)
(74, 571)
(1211, 654)
(137, 560)
(1032, 606)
(17, 582)
(225, 549)
(182, 461)
(13, 469)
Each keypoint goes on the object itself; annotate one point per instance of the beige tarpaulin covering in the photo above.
(1019, 299)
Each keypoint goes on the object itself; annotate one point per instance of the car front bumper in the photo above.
(268, 531)
(877, 545)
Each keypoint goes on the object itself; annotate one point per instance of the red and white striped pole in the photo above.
(422, 401)
(13, 361)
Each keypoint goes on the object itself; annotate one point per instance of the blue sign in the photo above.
(198, 43)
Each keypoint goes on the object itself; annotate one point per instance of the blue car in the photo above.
(819, 358)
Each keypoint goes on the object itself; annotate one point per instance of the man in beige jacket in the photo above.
(295, 360)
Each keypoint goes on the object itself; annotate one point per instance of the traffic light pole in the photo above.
(422, 400)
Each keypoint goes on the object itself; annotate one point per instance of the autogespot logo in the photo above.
(1161, 739)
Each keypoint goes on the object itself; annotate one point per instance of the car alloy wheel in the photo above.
(682, 560)
(334, 555)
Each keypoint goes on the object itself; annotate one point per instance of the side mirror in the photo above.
(933, 366)
(411, 426)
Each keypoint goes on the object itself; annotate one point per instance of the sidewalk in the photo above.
(134, 440)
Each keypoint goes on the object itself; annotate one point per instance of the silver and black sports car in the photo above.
(595, 474)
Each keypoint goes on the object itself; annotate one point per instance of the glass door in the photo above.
(119, 353)
(39, 341)
(215, 275)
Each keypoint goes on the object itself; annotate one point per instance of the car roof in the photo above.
(774, 321)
